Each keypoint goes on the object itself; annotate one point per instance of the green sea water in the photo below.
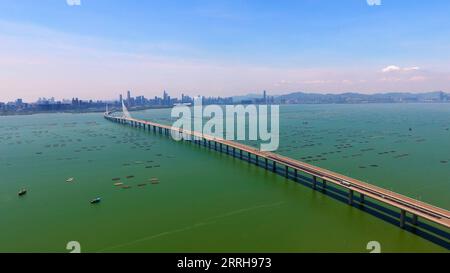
(211, 202)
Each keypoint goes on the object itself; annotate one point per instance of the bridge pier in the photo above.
(324, 185)
(274, 167)
(266, 161)
(257, 160)
(314, 182)
(287, 171)
(402, 218)
(361, 198)
(415, 219)
(295, 175)
(240, 153)
(350, 197)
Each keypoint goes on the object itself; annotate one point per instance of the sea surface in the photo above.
(179, 197)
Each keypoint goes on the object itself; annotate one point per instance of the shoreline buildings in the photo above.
(43, 105)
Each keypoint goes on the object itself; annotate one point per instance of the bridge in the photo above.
(357, 191)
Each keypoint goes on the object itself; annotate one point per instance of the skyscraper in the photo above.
(128, 96)
(165, 98)
(120, 98)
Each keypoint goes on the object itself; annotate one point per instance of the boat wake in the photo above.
(207, 221)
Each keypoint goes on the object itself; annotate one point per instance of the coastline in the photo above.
(4, 114)
(86, 111)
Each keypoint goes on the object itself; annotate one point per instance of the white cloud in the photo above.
(390, 68)
(414, 68)
(394, 68)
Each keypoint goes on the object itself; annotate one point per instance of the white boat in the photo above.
(70, 179)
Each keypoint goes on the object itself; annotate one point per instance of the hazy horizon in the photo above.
(221, 48)
(207, 95)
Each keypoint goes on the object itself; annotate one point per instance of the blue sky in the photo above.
(103, 47)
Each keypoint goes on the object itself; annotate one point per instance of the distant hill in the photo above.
(399, 97)
(238, 99)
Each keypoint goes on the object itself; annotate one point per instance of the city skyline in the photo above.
(221, 48)
(141, 102)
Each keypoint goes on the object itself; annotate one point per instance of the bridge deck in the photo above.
(404, 203)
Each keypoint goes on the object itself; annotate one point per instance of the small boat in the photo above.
(118, 184)
(22, 192)
(126, 187)
(96, 200)
(70, 179)
(130, 176)
(142, 185)
(116, 179)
